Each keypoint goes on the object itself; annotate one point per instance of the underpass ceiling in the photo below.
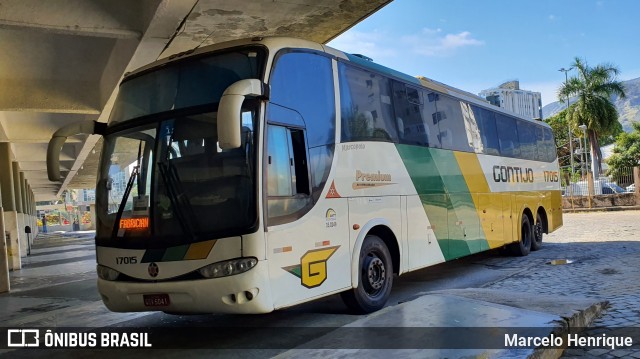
(62, 60)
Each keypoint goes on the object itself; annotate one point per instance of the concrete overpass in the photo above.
(62, 60)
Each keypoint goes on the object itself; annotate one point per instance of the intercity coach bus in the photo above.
(254, 175)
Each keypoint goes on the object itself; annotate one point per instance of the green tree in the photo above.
(558, 123)
(593, 88)
(626, 151)
(559, 126)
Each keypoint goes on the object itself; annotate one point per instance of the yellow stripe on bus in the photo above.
(490, 218)
(199, 250)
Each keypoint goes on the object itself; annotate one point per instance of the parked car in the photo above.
(631, 188)
(611, 188)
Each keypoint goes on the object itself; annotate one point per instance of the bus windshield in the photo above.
(164, 181)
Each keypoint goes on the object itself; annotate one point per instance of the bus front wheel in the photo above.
(523, 246)
(375, 278)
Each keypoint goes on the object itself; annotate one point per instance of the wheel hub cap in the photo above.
(376, 273)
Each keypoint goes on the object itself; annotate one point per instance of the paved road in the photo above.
(603, 247)
(605, 250)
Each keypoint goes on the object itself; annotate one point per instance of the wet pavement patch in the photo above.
(609, 271)
(59, 261)
(42, 308)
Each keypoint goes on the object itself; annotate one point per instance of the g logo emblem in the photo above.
(153, 269)
(312, 269)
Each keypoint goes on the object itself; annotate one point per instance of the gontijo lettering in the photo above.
(512, 174)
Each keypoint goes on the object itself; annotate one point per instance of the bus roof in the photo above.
(276, 43)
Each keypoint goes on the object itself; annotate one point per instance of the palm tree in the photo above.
(593, 88)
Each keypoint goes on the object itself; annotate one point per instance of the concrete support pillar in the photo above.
(17, 188)
(92, 213)
(28, 220)
(34, 223)
(4, 256)
(25, 202)
(9, 206)
(25, 189)
(34, 215)
(21, 210)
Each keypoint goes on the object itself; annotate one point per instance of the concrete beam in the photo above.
(214, 21)
(48, 96)
(96, 18)
(159, 32)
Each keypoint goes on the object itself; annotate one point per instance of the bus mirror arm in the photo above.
(230, 109)
(60, 137)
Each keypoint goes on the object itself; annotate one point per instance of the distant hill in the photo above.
(628, 108)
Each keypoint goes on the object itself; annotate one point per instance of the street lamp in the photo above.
(566, 79)
(583, 166)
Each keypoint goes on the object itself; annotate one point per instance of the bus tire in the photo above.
(375, 278)
(522, 247)
(538, 231)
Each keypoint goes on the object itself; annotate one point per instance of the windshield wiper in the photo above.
(127, 191)
(179, 200)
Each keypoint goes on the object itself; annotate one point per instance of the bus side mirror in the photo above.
(60, 137)
(230, 108)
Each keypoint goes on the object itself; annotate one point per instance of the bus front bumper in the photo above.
(245, 293)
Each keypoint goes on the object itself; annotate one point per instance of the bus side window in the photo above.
(303, 82)
(365, 101)
(507, 136)
(451, 124)
(527, 140)
(550, 145)
(471, 128)
(288, 187)
(431, 118)
(408, 104)
(487, 124)
(541, 146)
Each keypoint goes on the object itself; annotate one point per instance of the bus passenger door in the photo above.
(307, 242)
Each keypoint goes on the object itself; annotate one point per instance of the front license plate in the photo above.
(156, 300)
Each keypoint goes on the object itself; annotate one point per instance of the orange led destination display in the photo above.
(134, 223)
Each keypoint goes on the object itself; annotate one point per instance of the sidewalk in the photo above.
(56, 288)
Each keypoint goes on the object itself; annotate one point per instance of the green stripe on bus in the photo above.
(153, 255)
(175, 253)
(445, 196)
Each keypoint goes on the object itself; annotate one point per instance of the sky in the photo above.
(476, 45)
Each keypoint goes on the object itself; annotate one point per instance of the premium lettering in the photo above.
(373, 177)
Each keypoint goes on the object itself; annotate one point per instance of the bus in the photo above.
(258, 174)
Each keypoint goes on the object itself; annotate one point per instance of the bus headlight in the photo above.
(227, 268)
(107, 273)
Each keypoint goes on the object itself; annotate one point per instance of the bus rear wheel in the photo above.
(522, 247)
(375, 278)
(538, 231)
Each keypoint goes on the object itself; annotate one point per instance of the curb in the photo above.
(601, 209)
(575, 324)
